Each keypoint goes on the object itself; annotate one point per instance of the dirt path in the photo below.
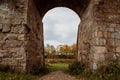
(58, 75)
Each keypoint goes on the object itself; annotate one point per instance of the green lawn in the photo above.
(58, 66)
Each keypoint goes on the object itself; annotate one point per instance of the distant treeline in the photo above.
(62, 51)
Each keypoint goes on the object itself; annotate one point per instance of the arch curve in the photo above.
(43, 14)
(63, 8)
(79, 6)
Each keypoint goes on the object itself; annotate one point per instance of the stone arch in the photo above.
(40, 7)
(90, 48)
(21, 31)
(78, 6)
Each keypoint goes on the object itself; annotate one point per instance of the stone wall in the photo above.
(85, 32)
(12, 35)
(106, 23)
(107, 20)
(35, 46)
(21, 32)
(21, 35)
(99, 33)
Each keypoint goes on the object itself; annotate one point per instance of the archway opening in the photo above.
(60, 36)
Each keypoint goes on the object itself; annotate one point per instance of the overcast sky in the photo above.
(60, 26)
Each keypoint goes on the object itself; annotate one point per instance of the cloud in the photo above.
(60, 26)
(53, 42)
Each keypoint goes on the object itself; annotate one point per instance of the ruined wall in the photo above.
(12, 35)
(35, 46)
(99, 33)
(108, 17)
(107, 20)
(21, 33)
(85, 32)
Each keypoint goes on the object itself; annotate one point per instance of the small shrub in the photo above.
(76, 67)
(40, 70)
(112, 67)
(110, 71)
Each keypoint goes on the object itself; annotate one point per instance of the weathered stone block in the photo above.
(18, 29)
(102, 41)
(99, 53)
(98, 41)
(107, 35)
(21, 37)
(116, 35)
(100, 34)
(11, 37)
(117, 42)
(100, 49)
(111, 29)
(18, 52)
(111, 42)
(5, 54)
(1, 55)
(6, 28)
(99, 57)
(12, 44)
(117, 29)
(118, 49)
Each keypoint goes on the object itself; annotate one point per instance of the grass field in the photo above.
(59, 66)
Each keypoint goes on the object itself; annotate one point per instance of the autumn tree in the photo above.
(50, 51)
(66, 51)
(73, 49)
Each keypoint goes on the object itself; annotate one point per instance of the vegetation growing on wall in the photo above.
(110, 71)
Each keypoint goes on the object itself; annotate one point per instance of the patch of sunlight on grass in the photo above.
(58, 66)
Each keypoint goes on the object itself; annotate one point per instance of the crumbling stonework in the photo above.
(12, 36)
(21, 31)
(99, 36)
(35, 46)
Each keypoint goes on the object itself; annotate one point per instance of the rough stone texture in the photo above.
(35, 46)
(12, 35)
(99, 32)
(21, 31)
(85, 34)
(6, 28)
